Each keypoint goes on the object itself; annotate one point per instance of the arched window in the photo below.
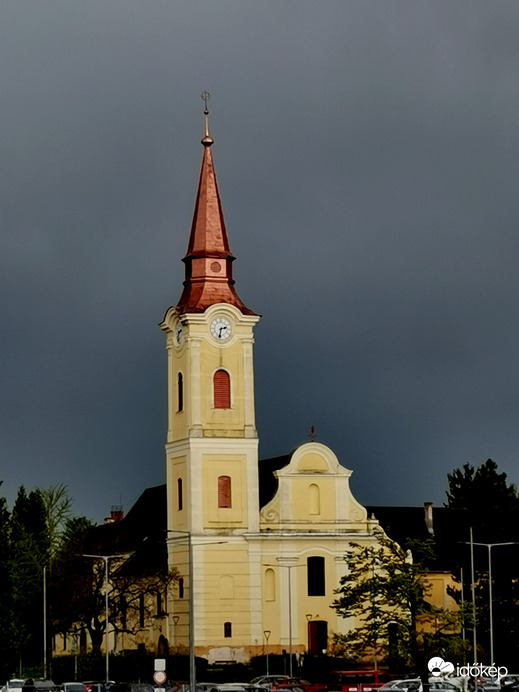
(123, 608)
(222, 389)
(83, 642)
(224, 491)
(270, 585)
(227, 629)
(162, 647)
(315, 576)
(141, 610)
(314, 500)
(180, 499)
(180, 392)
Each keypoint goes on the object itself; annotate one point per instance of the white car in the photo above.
(73, 687)
(14, 685)
(415, 685)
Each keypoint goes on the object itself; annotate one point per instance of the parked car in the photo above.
(438, 684)
(38, 685)
(399, 684)
(73, 687)
(274, 682)
(98, 685)
(357, 680)
(236, 687)
(14, 685)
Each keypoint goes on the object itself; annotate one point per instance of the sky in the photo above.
(367, 156)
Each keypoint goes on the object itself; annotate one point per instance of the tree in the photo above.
(136, 586)
(57, 506)
(492, 506)
(491, 502)
(385, 593)
(71, 579)
(29, 552)
(6, 591)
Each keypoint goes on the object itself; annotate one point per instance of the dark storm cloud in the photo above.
(367, 160)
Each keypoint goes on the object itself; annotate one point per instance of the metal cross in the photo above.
(205, 97)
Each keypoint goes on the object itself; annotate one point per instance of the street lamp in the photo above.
(267, 635)
(289, 568)
(183, 535)
(106, 559)
(489, 547)
(191, 624)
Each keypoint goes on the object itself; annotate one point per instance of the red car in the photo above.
(357, 680)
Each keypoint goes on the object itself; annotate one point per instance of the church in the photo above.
(259, 544)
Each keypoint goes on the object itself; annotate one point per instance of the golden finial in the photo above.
(207, 139)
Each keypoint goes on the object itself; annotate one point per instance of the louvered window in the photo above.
(141, 611)
(224, 491)
(222, 389)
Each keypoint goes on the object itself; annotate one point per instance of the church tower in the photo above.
(212, 445)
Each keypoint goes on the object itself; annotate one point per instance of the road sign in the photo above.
(160, 677)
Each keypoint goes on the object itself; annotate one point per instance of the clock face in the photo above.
(178, 333)
(221, 328)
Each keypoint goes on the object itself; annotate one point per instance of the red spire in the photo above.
(208, 259)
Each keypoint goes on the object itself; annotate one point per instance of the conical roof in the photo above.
(208, 278)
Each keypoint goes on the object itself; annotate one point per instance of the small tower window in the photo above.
(180, 392)
(224, 491)
(181, 587)
(179, 493)
(227, 629)
(222, 389)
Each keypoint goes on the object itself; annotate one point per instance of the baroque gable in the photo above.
(314, 494)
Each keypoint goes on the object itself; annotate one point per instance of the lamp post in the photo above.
(106, 559)
(308, 617)
(191, 624)
(175, 623)
(266, 634)
(75, 649)
(491, 624)
(44, 622)
(289, 568)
